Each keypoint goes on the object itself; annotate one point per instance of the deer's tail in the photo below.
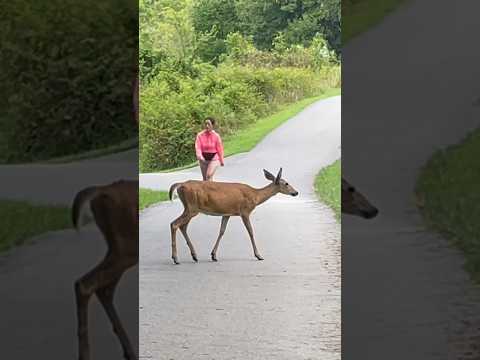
(82, 198)
(172, 189)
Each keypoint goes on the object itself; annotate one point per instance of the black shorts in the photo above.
(208, 156)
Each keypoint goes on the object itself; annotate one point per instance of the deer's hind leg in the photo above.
(99, 277)
(182, 223)
(106, 296)
(122, 255)
(183, 229)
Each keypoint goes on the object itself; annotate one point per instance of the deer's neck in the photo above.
(266, 193)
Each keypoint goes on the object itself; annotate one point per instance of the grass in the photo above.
(20, 221)
(360, 15)
(123, 146)
(149, 197)
(246, 139)
(328, 187)
(448, 197)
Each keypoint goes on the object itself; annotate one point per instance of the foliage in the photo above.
(203, 58)
(298, 20)
(360, 15)
(70, 70)
(148, 197)
(20, 221)
(447, 194)
(328, 187)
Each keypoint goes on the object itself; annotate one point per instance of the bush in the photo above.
(69, 79)
(172, 112)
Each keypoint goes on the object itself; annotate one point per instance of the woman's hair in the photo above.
(212, 120)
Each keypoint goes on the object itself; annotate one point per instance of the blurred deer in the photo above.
(354, 203)
(115, 211)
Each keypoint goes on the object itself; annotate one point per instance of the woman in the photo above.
(209, 150)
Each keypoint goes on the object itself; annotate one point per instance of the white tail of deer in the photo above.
(225, 200)
(115, 210)
(354, 203)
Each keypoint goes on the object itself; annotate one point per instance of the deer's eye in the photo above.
(286, 184)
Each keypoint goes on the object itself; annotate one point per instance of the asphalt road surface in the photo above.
(409, 89)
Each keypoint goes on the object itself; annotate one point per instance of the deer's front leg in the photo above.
(173, 227)
(248, 225)
(222, 231)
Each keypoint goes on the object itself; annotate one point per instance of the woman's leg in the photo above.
(212, 167)
(203, 168)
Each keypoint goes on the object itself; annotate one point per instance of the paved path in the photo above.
(405, 294)
(285, 307)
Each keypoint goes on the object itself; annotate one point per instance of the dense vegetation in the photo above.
(448, 196)
(20, 221)
(234, 60)
(67, 71)
(148, 197)
(360, 15)
(328, 187)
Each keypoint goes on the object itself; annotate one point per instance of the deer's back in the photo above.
(123, 196)
(217, 198)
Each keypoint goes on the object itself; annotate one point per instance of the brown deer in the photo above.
(115, 211)
(225, 200)
(354, 203)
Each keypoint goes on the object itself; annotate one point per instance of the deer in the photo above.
(225, 200)
(354, 203)
(115, 210)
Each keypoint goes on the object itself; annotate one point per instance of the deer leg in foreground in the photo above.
(106, 295)
(85, 287)
(248, 225)
(181, 220)
(183, 229)
(222, 231)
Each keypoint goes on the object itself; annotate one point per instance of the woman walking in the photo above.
(209, 150)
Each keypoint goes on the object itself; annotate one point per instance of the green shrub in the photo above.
(69, 80)
(172, 110)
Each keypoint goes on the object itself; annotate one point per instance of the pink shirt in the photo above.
(209, 142)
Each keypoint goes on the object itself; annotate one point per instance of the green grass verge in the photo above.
(123, 146)
(328, 187)
(246, 139)
(360, 15)
(20, 221)
(448, 197)
(149, 197)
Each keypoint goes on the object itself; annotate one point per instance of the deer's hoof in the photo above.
(214, 258)
(194, 257)
(175, 261)
(259, 257)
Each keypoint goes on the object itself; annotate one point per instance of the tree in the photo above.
(214, 19)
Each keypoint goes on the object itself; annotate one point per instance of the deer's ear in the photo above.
(269, 175)
(279, 176)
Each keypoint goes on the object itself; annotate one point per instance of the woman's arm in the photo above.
(220, 150)
(198, 148)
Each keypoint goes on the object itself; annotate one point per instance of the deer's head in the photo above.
(354, 203)
(283, 186)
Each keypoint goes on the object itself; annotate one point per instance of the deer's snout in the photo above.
(370, 214)
(295, 193)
